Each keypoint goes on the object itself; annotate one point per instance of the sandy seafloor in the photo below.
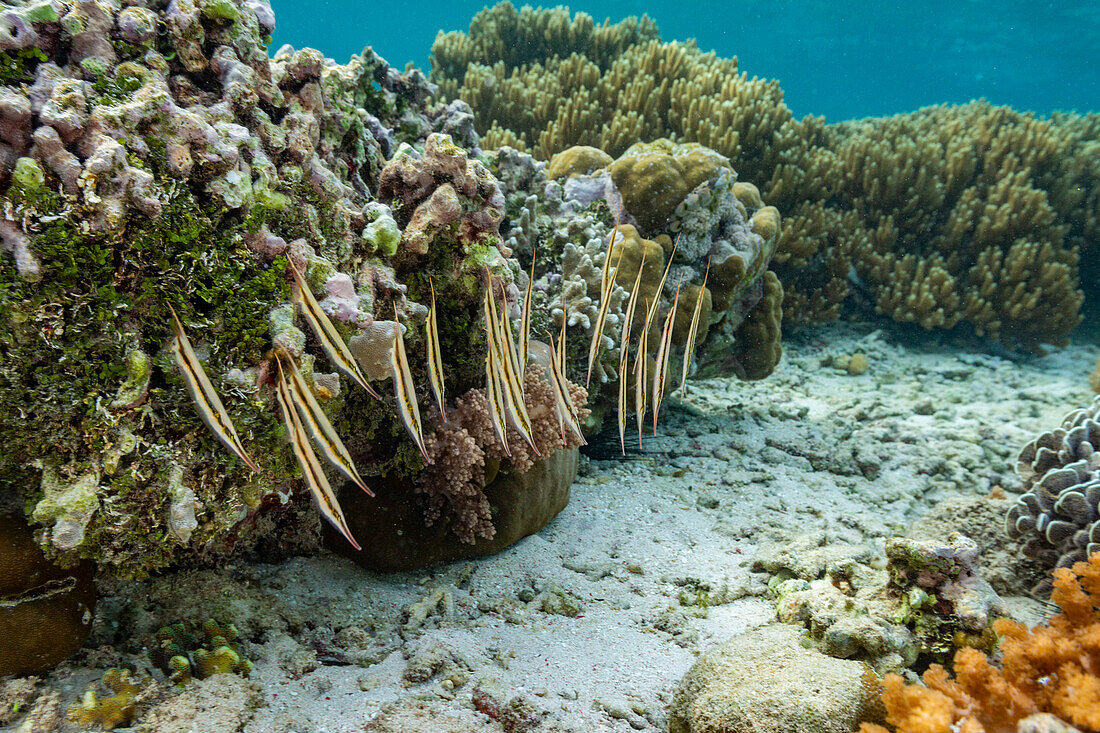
(810, 449)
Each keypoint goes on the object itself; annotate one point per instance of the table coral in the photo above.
(1051, 669)
(1059, 512)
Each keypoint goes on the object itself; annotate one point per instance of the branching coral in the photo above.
(467, 453)
(1052, 668)
(952, 214)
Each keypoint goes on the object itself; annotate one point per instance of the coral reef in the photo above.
(655, 191)
(1059, 512)
(183, 654)
(952, 214)
(159, 159)
(46, 611)
(1049, 669)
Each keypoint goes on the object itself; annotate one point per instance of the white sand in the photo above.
(809, 448)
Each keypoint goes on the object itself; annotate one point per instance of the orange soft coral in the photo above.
(1054, 668)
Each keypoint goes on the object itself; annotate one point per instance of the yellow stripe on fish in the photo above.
(493, 389)
(689, 345)
(624, 352)
(605, 276)
(435, 359)
(601, 317)
(404, 389)
(317, 424)
(327, 335)
(513, 381)
(203, 394)
(664, 350)
(525, 320)
(311, 468)
(563, 401)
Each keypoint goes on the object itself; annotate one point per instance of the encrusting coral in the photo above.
(1059, 511)
(1052, 668)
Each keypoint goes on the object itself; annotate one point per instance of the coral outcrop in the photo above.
(1050, 669)
(656, 191)
(765, 680)
(1058, 515)
(926, 602)
(159, 158)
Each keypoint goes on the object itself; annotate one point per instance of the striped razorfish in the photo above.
(605, 278)
(317, 425)
(525, 320)
(404, 389)
(207, 402)
(641, 365)
(605, 303)
(331, 343)
(624, 352)
(563, 401)
(493, 389)
(311, 468)
(512, 379)
(435, 360)
(689, 345)
(664, 350)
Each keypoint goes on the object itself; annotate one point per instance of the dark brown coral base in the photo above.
(394, 537)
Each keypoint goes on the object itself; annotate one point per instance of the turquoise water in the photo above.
(838, 59)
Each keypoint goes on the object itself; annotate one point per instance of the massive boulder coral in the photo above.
(655, 191)
(1058, 515)
(157, 158)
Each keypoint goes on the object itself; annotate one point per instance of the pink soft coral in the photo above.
(461, 447)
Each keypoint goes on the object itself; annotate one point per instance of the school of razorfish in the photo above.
(309, 429)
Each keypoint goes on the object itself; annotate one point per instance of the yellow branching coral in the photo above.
(1053, 668)
(951, 214)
